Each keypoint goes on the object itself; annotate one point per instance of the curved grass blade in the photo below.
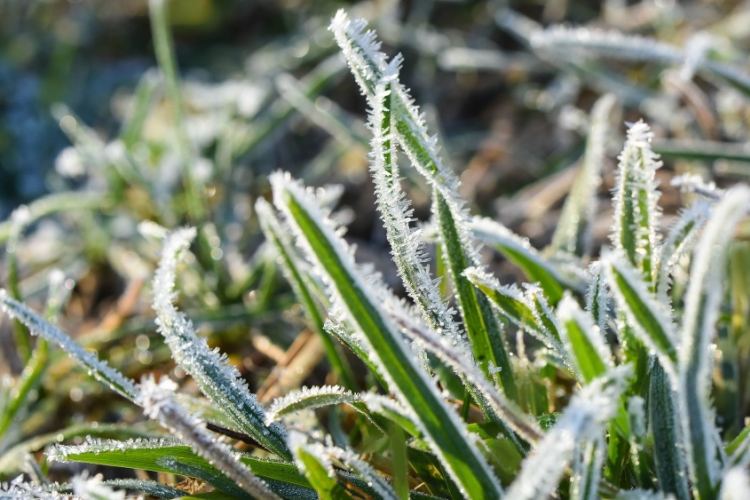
(217, 379)
(100, 370)
(586, 346)
(573, 230)
(703, 299)
(275, 233)
(668, 456)
(360, 302)
(645, 315)
(520, 252)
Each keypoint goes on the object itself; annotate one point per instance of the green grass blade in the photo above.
(100, 370)
(275, 234)
(586, 346)
(587, 470)
(649, 318)
(357, 300)
(663, 413)
(703, 299)
(312, 460)
(573, 230)
(519, 251)
(217, 379)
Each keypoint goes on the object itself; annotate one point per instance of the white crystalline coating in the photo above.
(637, 415)
(694, 183)
(704, 295)
(152, 230)
(735, 485)
(660, 311)
(99, 369)
(17, 489)
(639, 494)
(568, 310)
(285, 189)
(582, 420)
(635, 180)
(68, 453)
(217, 379)
(299, 442)
(309, 398)
(364, 470)
(580, 208)
(92, 488)
(532, 297)
(407, 247)
(679, 241)
(564, 41)
(157, 400)
(587, 469)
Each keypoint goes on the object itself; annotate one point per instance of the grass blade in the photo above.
(312, 460)
(586, 346)
(359, 302)
(573, 231)
(703, 299)
(217, 379)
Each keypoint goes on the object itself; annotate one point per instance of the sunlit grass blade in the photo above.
(703, 299)
(277, 236)
(157, 400)
(519, 252)
(738, 450)
(649, 318)
(525, 308)
(172, 457)
(586, 346)
(665, 425)
(635, 203)
(680, 240)
(217, 379)
(572, 234)
(312, 460)
(583, 419)
(100, 370)
(360, 302)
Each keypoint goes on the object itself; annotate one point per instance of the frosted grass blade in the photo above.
(519, 251)
(583, 340)
(361, 301)
(635, 203)
(382, 488)
(157, 400)
(703, 299)
(573, 231)
(587, 469)
(276, 234)
(217, 379)
(100, 370)
(648, 317)
(665, 425)
(312, 460)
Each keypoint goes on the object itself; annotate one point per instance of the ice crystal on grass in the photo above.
(219, 381)
(158, 403)
(93, 488)
(736, 484)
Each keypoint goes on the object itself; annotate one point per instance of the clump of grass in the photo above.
(615, 402)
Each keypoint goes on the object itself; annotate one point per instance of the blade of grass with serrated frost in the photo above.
(99, 369)
(312, 460)
(157, 400)
(441, 347)
(649, 318)
(275, 233)
(636, 213)
(525, 308)
(382, 488)
(573, 230)
(407, 127)
(703, 299)
(217, 379)
(522, 254)
(586, 346)
(665, 425)
(679, 241)
(597, 303)
(361, 302)
(583, 419)
(587, 469)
